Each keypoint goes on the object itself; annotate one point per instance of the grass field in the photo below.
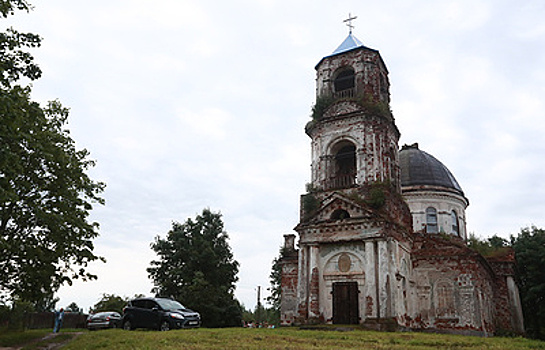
(240, 338)
(288, 338)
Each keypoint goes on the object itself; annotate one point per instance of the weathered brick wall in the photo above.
(456, 287)
(289, 276)
(508, 311)
(371, 74)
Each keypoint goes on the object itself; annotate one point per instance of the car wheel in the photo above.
(114, 325)
(127, 326)
(165, 326)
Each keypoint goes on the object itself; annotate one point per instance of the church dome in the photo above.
(419, 168)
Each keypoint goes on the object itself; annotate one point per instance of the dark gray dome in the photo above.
(419, 168)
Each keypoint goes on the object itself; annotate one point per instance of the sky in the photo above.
(193, 104)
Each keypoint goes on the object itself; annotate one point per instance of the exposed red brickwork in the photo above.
(355, 209)
(314, 292)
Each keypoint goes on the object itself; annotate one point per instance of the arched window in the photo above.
(345, 82)
(455, 226)
(341, 165)
(340, 214)
(444, 294)
(346, 160)
(431, 220)
(345, 166)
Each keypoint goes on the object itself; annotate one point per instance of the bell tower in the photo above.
(354, 225)
(354, 137)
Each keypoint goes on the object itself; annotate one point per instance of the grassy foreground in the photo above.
(35, 339)
(287, 338)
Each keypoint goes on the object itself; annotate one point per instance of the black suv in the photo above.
(158, 313)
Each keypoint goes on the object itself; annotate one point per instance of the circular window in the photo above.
(344, 262)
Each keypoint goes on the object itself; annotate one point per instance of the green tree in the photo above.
(48, 302)
(73, 307)
(45, 193)
(275, 278)
(110, 302)
(529, 248)
(196, 267)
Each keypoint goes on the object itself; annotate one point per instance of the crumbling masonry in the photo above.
(382, 231)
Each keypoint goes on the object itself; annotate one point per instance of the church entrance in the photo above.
(345, 303)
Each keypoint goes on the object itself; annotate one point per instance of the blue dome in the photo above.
(351, 42)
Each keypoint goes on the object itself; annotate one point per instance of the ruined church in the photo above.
(382, 231)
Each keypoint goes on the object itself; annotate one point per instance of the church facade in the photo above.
(382, 231)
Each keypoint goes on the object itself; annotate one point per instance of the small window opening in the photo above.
(345, 80)
(340, 214)
(431, 220)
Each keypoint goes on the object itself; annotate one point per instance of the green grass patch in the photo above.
(288, 339)
(58, 338)
(12, 338)
(34, 338)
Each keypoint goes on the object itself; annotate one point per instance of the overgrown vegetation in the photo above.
(367, 102)
(491, 247)
(377, 195)
(374, 195)
(310, 204)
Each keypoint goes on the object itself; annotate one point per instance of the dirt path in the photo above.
(50, 343)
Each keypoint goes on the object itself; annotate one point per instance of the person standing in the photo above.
(59, 315)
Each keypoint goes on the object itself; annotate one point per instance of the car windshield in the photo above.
(170, 304)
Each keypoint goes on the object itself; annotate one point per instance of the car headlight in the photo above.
(177, 316)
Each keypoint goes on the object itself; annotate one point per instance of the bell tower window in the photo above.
(343, 166)
(344, 83)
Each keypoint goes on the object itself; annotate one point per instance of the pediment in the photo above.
(340, 207)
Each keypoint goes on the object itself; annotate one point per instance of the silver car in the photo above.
(101, 320)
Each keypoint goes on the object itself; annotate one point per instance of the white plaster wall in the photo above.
(372, 149)
(329, 265)
(444, 203)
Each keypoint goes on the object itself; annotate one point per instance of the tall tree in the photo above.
(196, 266)
(275, 278)
(110, 302)
(529, 248)
(45, 193)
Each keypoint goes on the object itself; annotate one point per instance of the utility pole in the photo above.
(258, 307)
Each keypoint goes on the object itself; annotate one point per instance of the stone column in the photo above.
(302, 284)
(384, 288)
(369, 289)
(314, 285)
